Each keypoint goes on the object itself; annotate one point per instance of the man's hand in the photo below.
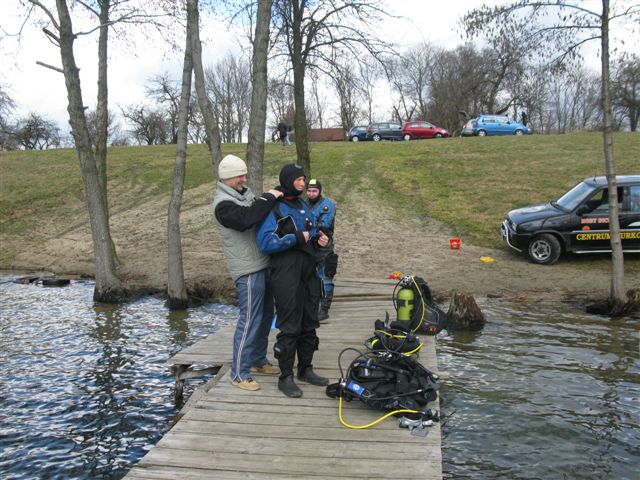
(323, 240)
(275, 193)
(306, 236)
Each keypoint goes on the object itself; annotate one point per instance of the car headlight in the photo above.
(528, 226)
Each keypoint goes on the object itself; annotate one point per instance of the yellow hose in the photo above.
(359, 427)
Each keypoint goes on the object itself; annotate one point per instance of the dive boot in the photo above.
(323, 315)
(287, 386)
(312, 377)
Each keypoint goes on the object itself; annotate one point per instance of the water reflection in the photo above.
(178, 325)
(545, 391)
(85, 389)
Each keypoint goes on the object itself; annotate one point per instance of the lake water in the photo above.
(85, 389)
(544, 391)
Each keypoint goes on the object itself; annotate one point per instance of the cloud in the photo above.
(143, 55)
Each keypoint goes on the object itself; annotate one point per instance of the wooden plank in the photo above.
(358, 449)
(151, 472)
(229, 433)
(254, 462)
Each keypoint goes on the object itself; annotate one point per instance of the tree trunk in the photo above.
(108, 287)
(210, 123)
(258, 115)
(618, 294)
(300, 120)
(102, 116)
(298, 63)
(176, 288)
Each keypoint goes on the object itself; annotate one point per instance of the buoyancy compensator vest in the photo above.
(415, 309)
(387, 380)
(393, 339)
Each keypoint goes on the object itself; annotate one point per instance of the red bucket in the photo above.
(454, 243)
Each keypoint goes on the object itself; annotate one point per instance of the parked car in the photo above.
(484, 125)
(421, 129)
(384, 131)
(578, 222)
(357, 133)
(467, 129)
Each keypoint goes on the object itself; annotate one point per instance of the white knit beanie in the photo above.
(231, 166)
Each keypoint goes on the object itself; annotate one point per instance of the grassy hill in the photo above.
(467, 183)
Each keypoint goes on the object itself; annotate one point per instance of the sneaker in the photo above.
(266, 369)
(323, 315)
(246, 384)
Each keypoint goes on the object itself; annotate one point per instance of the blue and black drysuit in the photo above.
(325, 211)
(294, 276)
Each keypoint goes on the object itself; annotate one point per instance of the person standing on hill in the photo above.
(283, 131)
(325, 211)
(290, 235)
(236, 213)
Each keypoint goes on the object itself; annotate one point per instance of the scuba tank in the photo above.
(415, 308)
(405, 299)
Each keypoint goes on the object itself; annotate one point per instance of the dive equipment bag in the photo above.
(388, 381)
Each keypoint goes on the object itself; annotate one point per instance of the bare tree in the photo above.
(344, 82)
(280, 99)
(319, 102)
(166, 92)
(402, 107)
(307, 33)
(197, 128)
(412, 80)
(150, 126)
(559, 39)
(206, 109)
(176, 289)
(230, 85)
(455, 86)
(109, 287)
(113, 128)
(7, 106)
(112, 14)
(574, 101)
(625, 89)
(369, 72)
(36, 133)
(258, 114)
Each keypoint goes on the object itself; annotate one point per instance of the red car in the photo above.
(421, 129)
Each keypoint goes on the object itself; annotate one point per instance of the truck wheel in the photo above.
(544, 249)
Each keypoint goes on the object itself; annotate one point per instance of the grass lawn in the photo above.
(467, 183)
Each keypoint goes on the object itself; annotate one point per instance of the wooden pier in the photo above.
(227, 433)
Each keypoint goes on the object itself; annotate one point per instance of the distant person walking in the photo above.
(325, 211)
(236, 214)
(523, 116)
(283, 131)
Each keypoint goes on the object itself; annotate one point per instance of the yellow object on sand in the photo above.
(487, 259)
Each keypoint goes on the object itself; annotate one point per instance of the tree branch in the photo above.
(47, 13)
(42, 64)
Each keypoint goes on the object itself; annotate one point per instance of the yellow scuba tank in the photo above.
(405, 299)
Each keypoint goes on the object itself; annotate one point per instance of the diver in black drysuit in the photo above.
(290, 235)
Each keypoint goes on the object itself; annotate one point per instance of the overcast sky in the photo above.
(38, 89)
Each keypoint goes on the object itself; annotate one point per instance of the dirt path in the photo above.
(370, 240)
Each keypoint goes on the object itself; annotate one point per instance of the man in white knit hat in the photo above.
(236, 213)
